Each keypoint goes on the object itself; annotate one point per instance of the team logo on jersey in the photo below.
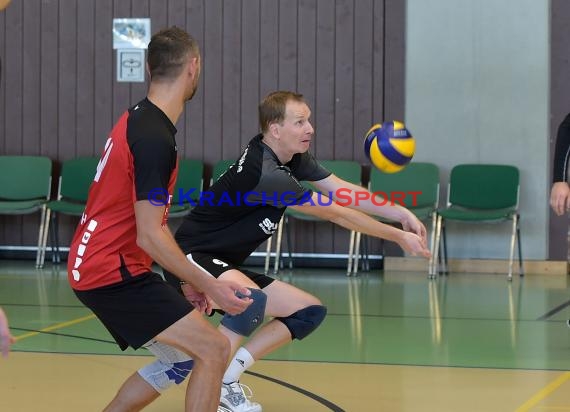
(242, 159)
(268, 226)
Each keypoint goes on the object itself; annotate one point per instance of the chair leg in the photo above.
(43, 212)
(278, 246)
(436, 243)
(350, 253)
(431, 262)
(444, 240)
(367, 254)
(356, 254)
(268, 255)
(512, 248)
(288, 230)
(57, 253)
(521, 269)
(52, 237)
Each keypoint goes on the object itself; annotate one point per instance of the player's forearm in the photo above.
(163, 249)
(363, 223)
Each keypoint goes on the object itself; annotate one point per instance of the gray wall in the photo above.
(477, 89)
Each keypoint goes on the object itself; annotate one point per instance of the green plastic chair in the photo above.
(73, 189)
(190, 176)
(25, 186)
(483, 193)
(348, 170)
(418, 186)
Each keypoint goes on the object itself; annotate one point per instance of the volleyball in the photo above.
(389, 146)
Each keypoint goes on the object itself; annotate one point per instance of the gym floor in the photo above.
(391, 342)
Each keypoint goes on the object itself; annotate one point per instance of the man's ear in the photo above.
(193, 66)
(274, 130)
(147, 67)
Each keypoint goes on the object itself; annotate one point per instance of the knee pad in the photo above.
(171, 367)
(247, 321)
(304, 321)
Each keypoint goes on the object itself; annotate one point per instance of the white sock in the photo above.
(241, 361)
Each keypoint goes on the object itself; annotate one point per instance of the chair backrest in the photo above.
(25, 177)
(76, 177)
(348, 170)
(484, 186)
(190, 180)
(220, 168)
(417, 185)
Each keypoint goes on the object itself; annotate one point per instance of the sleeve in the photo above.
(562, 152)
(307, 168)
(153, 166)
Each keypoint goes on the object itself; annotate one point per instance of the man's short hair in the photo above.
(272, 107)
(168, 51)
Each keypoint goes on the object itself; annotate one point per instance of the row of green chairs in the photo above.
(476, 193)
(25, 188)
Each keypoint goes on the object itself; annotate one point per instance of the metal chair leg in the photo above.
(43, 212)
(521, 268)
(350, 253)
(356, 254)
(278, 246)
(512, 247)
(268, 255)
(436, 247)
(431, 262)
(288, 230)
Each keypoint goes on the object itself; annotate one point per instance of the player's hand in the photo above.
(414, 245)
(199, 300)
(224, 293)
(560, 198)
(6, 338)
(410, 223)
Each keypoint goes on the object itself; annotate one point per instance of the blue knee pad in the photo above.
(246, 322)
(304, 321)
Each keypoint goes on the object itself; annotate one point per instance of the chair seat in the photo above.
(20, 207)
(67, 207)
(476, 215)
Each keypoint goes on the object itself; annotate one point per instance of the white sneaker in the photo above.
(234, 399)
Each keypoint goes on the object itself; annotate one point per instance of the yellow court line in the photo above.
(54, 327)
(544, 392)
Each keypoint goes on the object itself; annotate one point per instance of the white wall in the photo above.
(477, 92)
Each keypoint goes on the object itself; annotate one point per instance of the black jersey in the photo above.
(243, 208)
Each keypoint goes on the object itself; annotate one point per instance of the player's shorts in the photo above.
(136, 309)
(216, 267)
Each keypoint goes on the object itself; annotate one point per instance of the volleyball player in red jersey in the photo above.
(123, 230)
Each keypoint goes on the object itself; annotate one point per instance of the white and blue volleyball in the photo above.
(389, 146)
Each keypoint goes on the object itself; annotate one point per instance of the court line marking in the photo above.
(55, 326)
(544, 392)
(554, 311)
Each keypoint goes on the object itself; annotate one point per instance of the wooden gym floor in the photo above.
(391, 342)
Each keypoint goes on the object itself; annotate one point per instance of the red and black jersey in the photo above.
(139, 162)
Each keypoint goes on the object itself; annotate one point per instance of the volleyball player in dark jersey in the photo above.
(244, 207)
(122, 232)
